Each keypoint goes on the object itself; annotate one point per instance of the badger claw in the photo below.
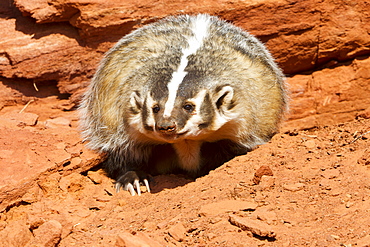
(137, 186)
(131, 181)
(129, 188)
(147, 185)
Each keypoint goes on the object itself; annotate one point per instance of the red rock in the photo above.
(95, 18)
(15, 234)
(329, 96)
(20, 168)
(151, 242)
(254, 226)
(139, 239)
(73, 182)
(302, 36)
(75, 150)
(294, 187)
(267, 182)
(48, 234)
(178, 232)
(89, 160)
(36, 155)
(266, 215)
(21, 119)
(58, 122)
(96, 177)
(59, 156)
(262, 171)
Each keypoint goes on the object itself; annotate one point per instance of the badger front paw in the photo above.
(131, 180)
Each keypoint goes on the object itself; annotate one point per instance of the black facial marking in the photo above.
(159, 88)
(160, 72)
(147, 127)
(190, 85)
(207, 112)
(203, 125)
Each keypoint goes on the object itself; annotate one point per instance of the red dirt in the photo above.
(312, 189)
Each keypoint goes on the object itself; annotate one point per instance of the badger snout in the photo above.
(166, 127)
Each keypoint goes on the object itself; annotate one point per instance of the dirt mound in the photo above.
(302, 188)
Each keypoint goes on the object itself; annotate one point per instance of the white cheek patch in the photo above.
(193, 122)
(200, 29)
(219, 121)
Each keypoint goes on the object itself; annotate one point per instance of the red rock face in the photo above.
(60, 43)
(304, 188)
(330, 95)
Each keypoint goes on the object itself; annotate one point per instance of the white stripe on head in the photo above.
(199, 26)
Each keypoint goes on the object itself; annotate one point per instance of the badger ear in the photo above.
(223, 97)
(136, 102)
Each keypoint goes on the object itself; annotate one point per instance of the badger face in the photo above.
(192, 113)
(182, 98)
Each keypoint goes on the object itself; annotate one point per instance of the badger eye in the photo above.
(156, 109)
(188, 107)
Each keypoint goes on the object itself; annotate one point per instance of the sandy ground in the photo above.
(304, 188)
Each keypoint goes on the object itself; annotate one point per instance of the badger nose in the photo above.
(166, 127)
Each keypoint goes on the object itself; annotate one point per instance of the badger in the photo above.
(184, 94)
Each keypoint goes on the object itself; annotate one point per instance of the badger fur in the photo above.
(186, 93)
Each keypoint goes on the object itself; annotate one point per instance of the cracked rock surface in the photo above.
(309, 186)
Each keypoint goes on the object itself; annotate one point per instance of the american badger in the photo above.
(184, 94)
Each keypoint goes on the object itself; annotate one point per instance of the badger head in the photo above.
(190, 112)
